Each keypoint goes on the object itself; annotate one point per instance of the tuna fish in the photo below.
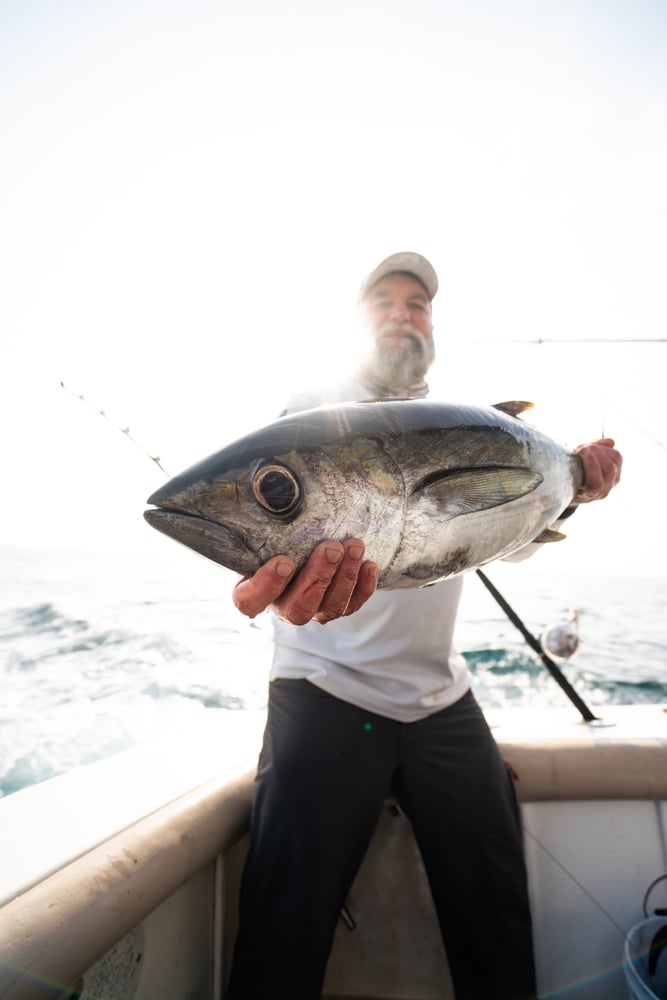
(433, 489)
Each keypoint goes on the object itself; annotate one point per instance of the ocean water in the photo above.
(100, 652)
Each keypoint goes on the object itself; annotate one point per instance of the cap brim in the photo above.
(405, 263)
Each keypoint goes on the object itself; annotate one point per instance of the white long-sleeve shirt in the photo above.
(395, 656)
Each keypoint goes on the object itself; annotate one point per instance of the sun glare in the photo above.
(184, 239)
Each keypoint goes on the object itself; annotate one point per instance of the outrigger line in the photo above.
(123, 430)
(538, 341)
(579, 340)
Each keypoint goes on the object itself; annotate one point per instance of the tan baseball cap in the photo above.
(409, 263)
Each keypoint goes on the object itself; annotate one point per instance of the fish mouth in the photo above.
(215, 541)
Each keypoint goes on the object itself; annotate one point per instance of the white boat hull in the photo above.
(143, 907)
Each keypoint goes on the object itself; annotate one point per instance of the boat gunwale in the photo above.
(61, 926)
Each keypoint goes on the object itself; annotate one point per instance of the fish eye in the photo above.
(276, 489)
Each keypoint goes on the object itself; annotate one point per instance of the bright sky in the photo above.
(191, 193)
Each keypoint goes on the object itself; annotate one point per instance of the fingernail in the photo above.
(334, 556)
(356, 551)
(284, 568)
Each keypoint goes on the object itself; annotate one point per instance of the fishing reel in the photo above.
(562, 640)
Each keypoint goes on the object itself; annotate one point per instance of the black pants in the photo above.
(324, 772)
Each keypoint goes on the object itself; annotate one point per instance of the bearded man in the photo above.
(376, 702)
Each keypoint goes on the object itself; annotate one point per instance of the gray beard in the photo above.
(398, 364)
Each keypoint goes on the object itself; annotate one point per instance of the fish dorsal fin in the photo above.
(466, 490)
(513, 406)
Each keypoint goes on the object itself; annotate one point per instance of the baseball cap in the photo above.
(410, 263)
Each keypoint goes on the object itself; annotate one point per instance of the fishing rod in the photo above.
(123, 430)
(626, 416)
(534, 643)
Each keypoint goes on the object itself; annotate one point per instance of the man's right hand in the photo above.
(335, 581)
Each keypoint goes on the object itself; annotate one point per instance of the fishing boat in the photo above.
(120, 878)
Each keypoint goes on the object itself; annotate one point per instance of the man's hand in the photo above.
(602, 470)
(335, 581)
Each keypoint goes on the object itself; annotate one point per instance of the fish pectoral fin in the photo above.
(549, 535)
(468, 490)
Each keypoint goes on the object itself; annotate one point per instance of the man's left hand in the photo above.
(602, 470)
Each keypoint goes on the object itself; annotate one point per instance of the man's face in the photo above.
(397, 314)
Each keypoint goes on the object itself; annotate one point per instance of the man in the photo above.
(379, 700)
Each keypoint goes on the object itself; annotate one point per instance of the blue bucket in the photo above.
(645, 960)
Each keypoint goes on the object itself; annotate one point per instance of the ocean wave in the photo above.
(37, 619)
(94, 661)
